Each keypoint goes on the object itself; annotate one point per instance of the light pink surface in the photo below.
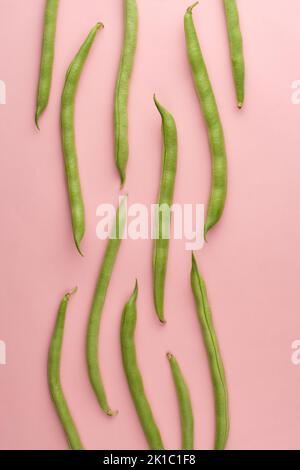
(251, 263)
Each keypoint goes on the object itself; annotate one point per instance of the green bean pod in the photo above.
(57, 395)
(133, 374)
(185, 405)
(236, 49)
(68, 137)
(47, 58)
(122, 86)
(92, 338)
(214, 357)
(213, 123)
(161, 244)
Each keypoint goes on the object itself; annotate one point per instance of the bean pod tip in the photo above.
(136, 290)
(37, 116)
(78, 248)
(157, 104)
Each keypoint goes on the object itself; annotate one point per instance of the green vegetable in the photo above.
(213, 122)
(214, 357)
(92, 339)
(236, 49)
(122, 87)
(185, 405)
(68, 137)
(47, 58)
(57, 394)
(161, 244)
(134, 378)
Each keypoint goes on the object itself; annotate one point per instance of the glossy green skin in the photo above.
(214, 357)
(122, 87)
(236, 49)
(185, 405)
(161, 244)
(54, 359)
(47, 58)
(92, 338)
(214, 126)
(134, 378)
(68, 137)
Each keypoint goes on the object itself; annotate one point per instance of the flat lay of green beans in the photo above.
(133, 374)
(214, 357)
(215, 208)
(236, 49)
(122, 86)
(92, 337)
(185, 405)
(161, 243)
(47, 58)
(213, 122)
(68, 137)
(57, 394)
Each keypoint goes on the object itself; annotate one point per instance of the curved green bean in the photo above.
(134, 378)
(122, 87)
(47, 58)
(213, 123)
(56, 391)
(236, 49)
(161, 244)
(214, 357)
(92, 338)
(185, 405)
(68, 137)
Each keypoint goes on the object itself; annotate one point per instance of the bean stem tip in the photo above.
(112, 413)
(190, 9)
(71, 293)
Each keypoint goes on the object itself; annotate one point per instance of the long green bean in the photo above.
(133, 374)
(56, 391)
(213, 123)
(161, 243)
(214, 357)
(185, 405)
(92, 339)
(236, 49)
(68, 137)
(122, 86)
(47, 58)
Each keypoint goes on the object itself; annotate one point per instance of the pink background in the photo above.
(251, 263)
